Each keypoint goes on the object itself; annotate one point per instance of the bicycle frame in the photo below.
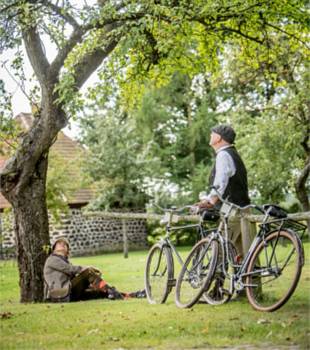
(165, 241)
(236, 278)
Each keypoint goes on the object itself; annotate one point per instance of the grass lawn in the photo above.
(134, 324)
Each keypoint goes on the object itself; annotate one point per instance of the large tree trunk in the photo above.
(23, 183)
(32, 235)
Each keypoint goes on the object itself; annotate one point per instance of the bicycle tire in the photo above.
(277, 261)
(196, 273)
(219, 290)
(159, 272)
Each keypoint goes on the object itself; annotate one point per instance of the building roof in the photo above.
(64, 146)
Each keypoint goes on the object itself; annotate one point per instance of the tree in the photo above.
(115, 160)
(270, 110)
(175, 121)
(137, 34)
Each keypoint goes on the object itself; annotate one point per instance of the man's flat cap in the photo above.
(226, 131)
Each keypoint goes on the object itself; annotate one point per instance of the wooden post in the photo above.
(125, 240)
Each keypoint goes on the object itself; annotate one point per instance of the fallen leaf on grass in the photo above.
(269, 334)
(262, 321)
(141, 333)
(205, 330)
(6, 315)
(93, 331)
(114, 339)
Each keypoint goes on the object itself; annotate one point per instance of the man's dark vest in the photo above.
(237, 188)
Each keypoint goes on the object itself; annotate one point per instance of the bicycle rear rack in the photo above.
(285, 223)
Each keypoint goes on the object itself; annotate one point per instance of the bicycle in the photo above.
(269, 272)
(160, 269)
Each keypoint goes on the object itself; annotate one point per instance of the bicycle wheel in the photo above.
(219, 290)
(158, 274)
(196, 273)
(274, 269)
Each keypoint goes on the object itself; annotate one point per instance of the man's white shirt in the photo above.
(224, 170)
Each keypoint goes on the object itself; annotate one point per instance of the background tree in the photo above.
(175, 121)
(115, 163)
(135, 34)
(270, 111)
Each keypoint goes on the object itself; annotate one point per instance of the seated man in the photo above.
(65, 282)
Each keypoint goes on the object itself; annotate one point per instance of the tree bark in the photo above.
(32, 234)
(301, 182)
(301, 189)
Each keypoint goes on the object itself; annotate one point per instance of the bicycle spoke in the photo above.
(196, 274)
(274, 271)
(159, 270)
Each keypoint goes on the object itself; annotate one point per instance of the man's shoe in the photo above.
(114, 294)
(140, 294)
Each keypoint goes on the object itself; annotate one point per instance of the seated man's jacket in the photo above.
(58, 272)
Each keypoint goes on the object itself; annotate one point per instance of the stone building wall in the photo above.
(87, 233)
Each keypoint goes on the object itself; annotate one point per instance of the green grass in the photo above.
(134, 324)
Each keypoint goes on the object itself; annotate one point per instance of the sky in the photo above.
(20, 102)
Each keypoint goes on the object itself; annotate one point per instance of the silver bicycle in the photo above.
(269, 272)
(160, 270)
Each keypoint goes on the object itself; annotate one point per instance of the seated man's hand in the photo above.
(92, 268)
(205, 204)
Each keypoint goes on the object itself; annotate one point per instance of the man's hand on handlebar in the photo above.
(204, 204)
(199, 207)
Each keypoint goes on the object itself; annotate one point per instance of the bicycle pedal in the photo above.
(172, 282)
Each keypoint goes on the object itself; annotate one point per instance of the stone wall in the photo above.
(87, 233)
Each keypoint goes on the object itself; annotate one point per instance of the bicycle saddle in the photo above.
(275, 211)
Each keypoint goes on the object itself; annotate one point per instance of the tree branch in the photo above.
(288, 34)
(75, 38)
(6, 8)
(239, 32)
(36, 53)
(92, 61)
(66, 16)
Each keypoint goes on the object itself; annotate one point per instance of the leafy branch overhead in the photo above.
(147, 31)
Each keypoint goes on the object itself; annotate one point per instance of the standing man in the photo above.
(229, 176)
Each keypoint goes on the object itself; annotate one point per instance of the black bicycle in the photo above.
(269, 272)
(160, 269)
